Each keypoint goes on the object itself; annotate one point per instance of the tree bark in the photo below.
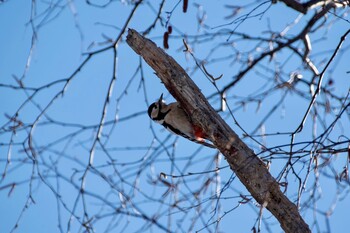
(251, 171)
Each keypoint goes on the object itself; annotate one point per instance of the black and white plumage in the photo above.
(175, 119)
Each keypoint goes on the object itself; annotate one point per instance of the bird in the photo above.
(175, 119)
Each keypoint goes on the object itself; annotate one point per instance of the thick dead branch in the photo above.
(296, 5)
(305, 7)
(248, 167)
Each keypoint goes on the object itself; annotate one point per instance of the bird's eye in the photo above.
(155, 106)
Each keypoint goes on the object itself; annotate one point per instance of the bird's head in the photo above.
(155, 109)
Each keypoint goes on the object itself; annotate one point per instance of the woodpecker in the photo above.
(174, 119)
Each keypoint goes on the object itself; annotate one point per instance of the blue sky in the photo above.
(64, 35)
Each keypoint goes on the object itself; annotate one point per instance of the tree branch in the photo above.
(305, 7)
(295, 5)
(252, 172)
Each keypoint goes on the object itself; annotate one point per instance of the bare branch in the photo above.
(296, 5)
(305, 7)
(242, 160)
(318, 89)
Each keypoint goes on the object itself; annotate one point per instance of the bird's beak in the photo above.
(160, 99)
